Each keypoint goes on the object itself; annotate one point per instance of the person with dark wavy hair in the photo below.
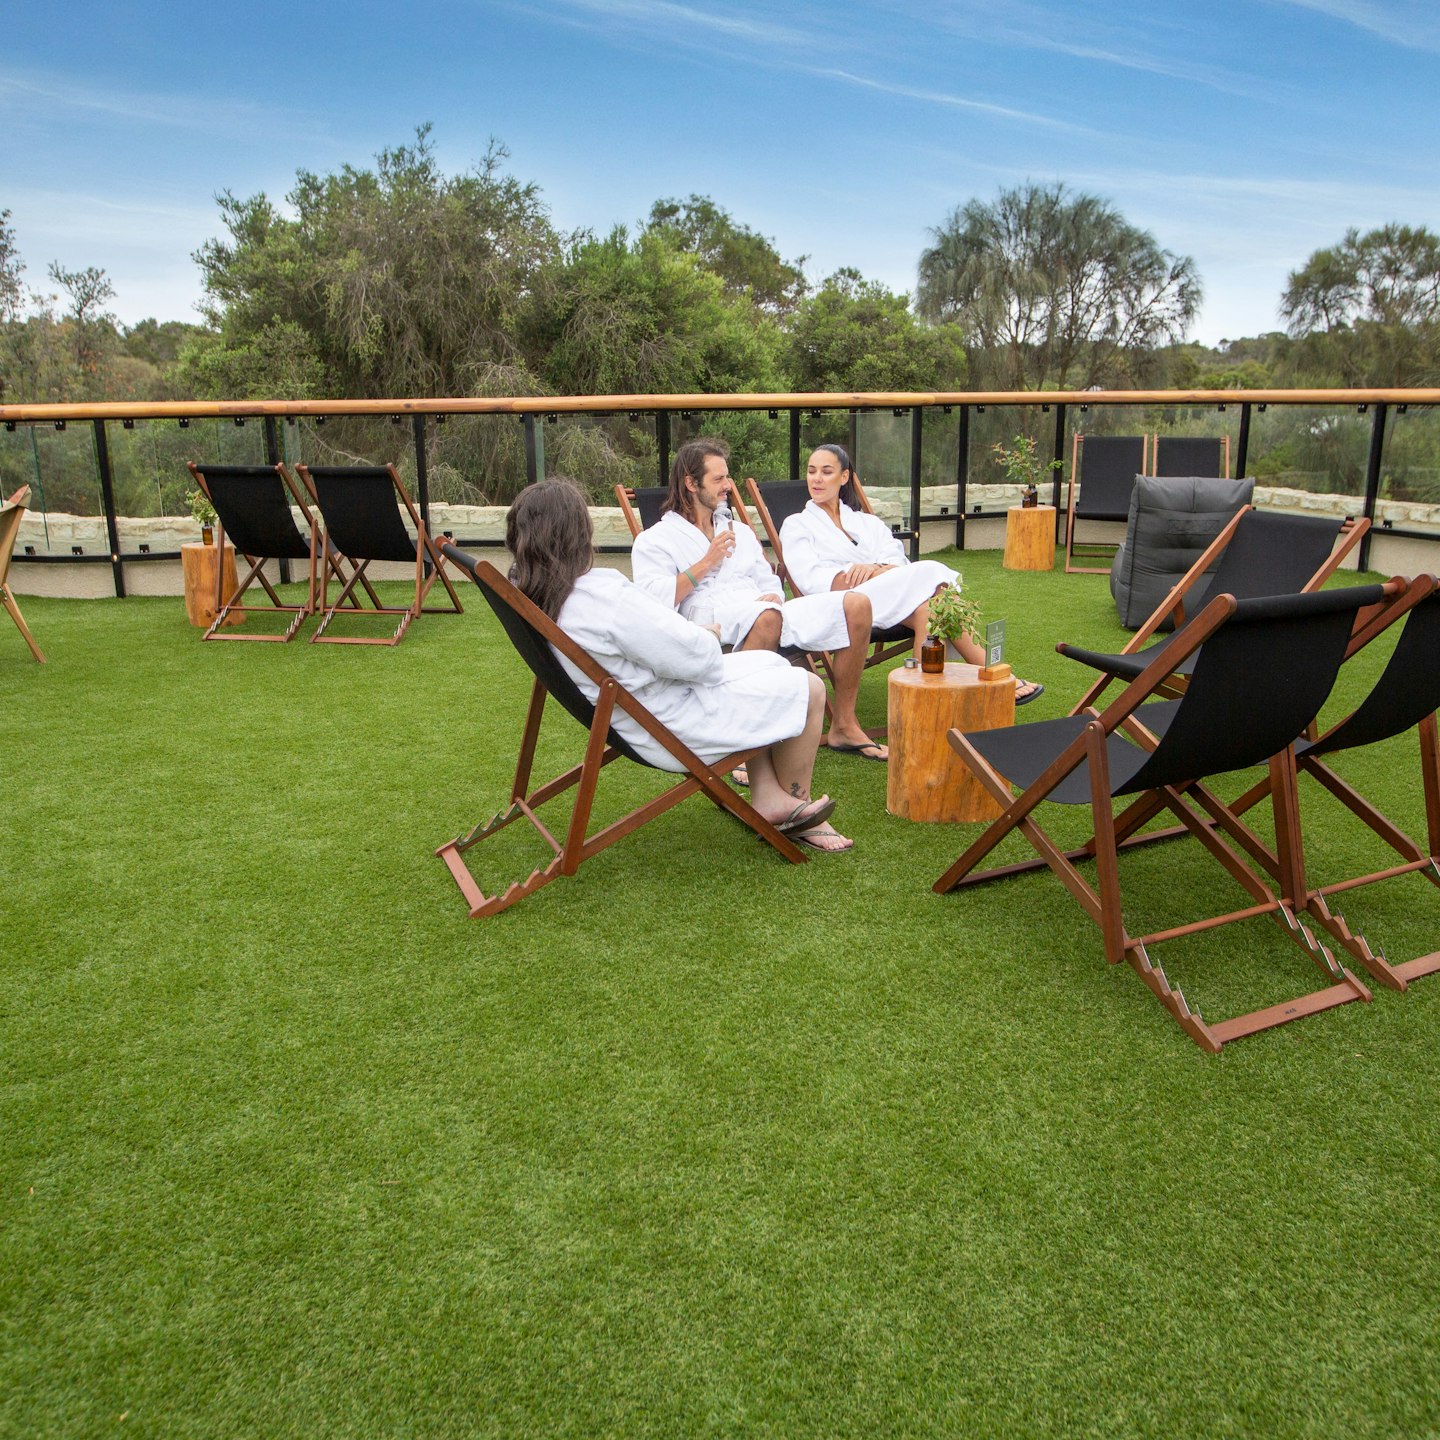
(833, 545)
(714, 703)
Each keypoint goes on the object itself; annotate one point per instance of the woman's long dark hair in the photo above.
(549, 533)
(849, 495)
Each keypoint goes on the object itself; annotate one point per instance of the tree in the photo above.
(747, 263)
(404, 280)
(854, 334)
(93, 329)
(1054, 289)
(1368, 309)
(12, 267)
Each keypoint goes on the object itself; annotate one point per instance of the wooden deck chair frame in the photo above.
(1188, 455)
(1090, 750)
(11, 514)
(425, 553)
(228, 605)
(885, 644)
(1173, 607)
(1091, 549)
(535, 636)
(1419, 604)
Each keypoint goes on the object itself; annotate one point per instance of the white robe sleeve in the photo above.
(651, 634)
(654, 566)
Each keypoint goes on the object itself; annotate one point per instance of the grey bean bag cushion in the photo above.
(1172, 519)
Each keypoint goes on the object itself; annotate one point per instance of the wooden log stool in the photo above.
(927, 780)
(200, 563)
(1030, 537)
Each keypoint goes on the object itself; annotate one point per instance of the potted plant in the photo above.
(952, 614)
(203, 513)
(1022, 467)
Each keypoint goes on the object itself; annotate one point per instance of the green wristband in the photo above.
(693, 581)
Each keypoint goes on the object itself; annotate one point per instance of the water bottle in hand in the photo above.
(722, 514)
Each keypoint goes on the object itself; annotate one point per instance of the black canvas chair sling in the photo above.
(533, 634)
(1265, 667)
(364, 509)
(1260, 552)
(1191, 455)
(252, 509)
(1102, 475)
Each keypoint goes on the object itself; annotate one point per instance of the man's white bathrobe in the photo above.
(716, 704)
(817, 550)
(729, 596)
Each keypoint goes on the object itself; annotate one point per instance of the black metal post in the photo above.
(107, 498)
(662, 444)
(962, 476)
(272, 457)
(1057, 452)
(531, 468)
(1372, 477)
(422, 469)
(853, 436)
(917, 440)
(795, 445)
(1242, 443)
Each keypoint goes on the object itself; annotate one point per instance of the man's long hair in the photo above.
(689, 464)
(549, 533)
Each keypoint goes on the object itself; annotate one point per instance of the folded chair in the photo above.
(1190, 455)
(364, 509)
(1102, 474)
(1405, 697)
(12, 512)
(537, 638)
(1265, 669)
(640, 505)
(775, 502)
(252, 506)
(1260, 552)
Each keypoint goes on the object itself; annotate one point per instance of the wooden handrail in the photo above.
(592, 404)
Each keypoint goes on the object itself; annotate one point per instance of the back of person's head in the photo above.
(849, 495)
(689, 464)
(549, 534)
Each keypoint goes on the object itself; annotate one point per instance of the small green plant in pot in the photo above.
(1022, 466)
(203, 513)
(952, 615)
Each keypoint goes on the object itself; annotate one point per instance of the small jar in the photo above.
(932, 655)
(207, 534)
(1030, 498)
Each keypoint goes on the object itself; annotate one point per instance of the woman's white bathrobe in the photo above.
(729, 596)
(817, 550)
(716, 704)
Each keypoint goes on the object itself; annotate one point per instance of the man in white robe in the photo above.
(717, 574)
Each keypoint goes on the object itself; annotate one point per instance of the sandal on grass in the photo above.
(815, 837)
(1032, 688)
(806, 816)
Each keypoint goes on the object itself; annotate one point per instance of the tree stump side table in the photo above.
(927, 780)
(1030, 537)
(200, 563)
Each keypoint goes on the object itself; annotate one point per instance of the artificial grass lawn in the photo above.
(694, 1143)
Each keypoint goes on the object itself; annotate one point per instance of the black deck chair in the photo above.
(1191, 455)
(253, 509)
(1102, 475)
(537, 637)
(1259, 552)
(1405, 697)
(777, 500)
(640, 505)
(1265, 669)
(364, 508)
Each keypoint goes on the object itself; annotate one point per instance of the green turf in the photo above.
(695, 1143)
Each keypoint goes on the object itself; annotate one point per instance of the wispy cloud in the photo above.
(692, 19)
(1414, 24)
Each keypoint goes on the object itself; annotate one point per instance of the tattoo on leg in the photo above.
(796, 790)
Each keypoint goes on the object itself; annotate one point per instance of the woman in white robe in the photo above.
(829, 546)
(714, 703)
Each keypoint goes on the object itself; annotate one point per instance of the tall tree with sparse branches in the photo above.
(1054, 289)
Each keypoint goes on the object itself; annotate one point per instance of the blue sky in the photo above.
(1245, 135)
